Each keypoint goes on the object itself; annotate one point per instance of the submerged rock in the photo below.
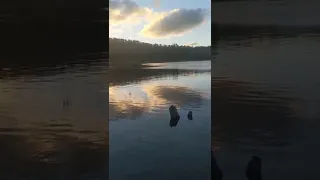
(174, 112)
(190, 115)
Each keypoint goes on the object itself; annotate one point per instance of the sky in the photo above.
(185, 22)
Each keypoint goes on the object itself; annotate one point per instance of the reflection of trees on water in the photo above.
(260, 24)
(245, 114)
(243, 35)
(136, 75)
(54, 65)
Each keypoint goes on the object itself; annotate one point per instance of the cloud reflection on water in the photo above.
(150, 96)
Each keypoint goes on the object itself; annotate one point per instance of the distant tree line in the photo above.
(235, 32)
(123, 51)
(50, 31)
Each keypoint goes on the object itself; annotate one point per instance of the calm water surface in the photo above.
(53, 119)
(144, 142)
(266, 102)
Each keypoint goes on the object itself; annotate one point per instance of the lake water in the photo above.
(144, 142)
(266, 102)
(53, 118)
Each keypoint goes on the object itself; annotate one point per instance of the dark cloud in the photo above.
(175, 22)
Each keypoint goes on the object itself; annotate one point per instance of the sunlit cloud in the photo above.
(156, 24)
(149, 96)
(122, 95)
(176, 95)
(125, 103)
(175, 23)
(127, 11)
(116, 31)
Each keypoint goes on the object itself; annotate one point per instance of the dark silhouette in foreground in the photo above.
(253, 171)
(190, 115)
(216, 173)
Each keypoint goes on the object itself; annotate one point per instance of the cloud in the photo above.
(158, 24)
(191, 44)
(122, 104)
(175, 22)
(126, 11)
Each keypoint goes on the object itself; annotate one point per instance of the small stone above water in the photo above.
(190, 115)
(174, 112)
(253, 171)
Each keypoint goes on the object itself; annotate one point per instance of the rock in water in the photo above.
(174, 122)
(174, 112)
(190, 115)
(253, 171)
(216, 173)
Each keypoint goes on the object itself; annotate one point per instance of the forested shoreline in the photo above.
(123, 52)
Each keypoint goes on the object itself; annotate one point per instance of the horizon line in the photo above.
(199, 45)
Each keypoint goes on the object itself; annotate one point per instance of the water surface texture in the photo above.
(144, 142)
(53, 121)
(265, 88)
(53, 91)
